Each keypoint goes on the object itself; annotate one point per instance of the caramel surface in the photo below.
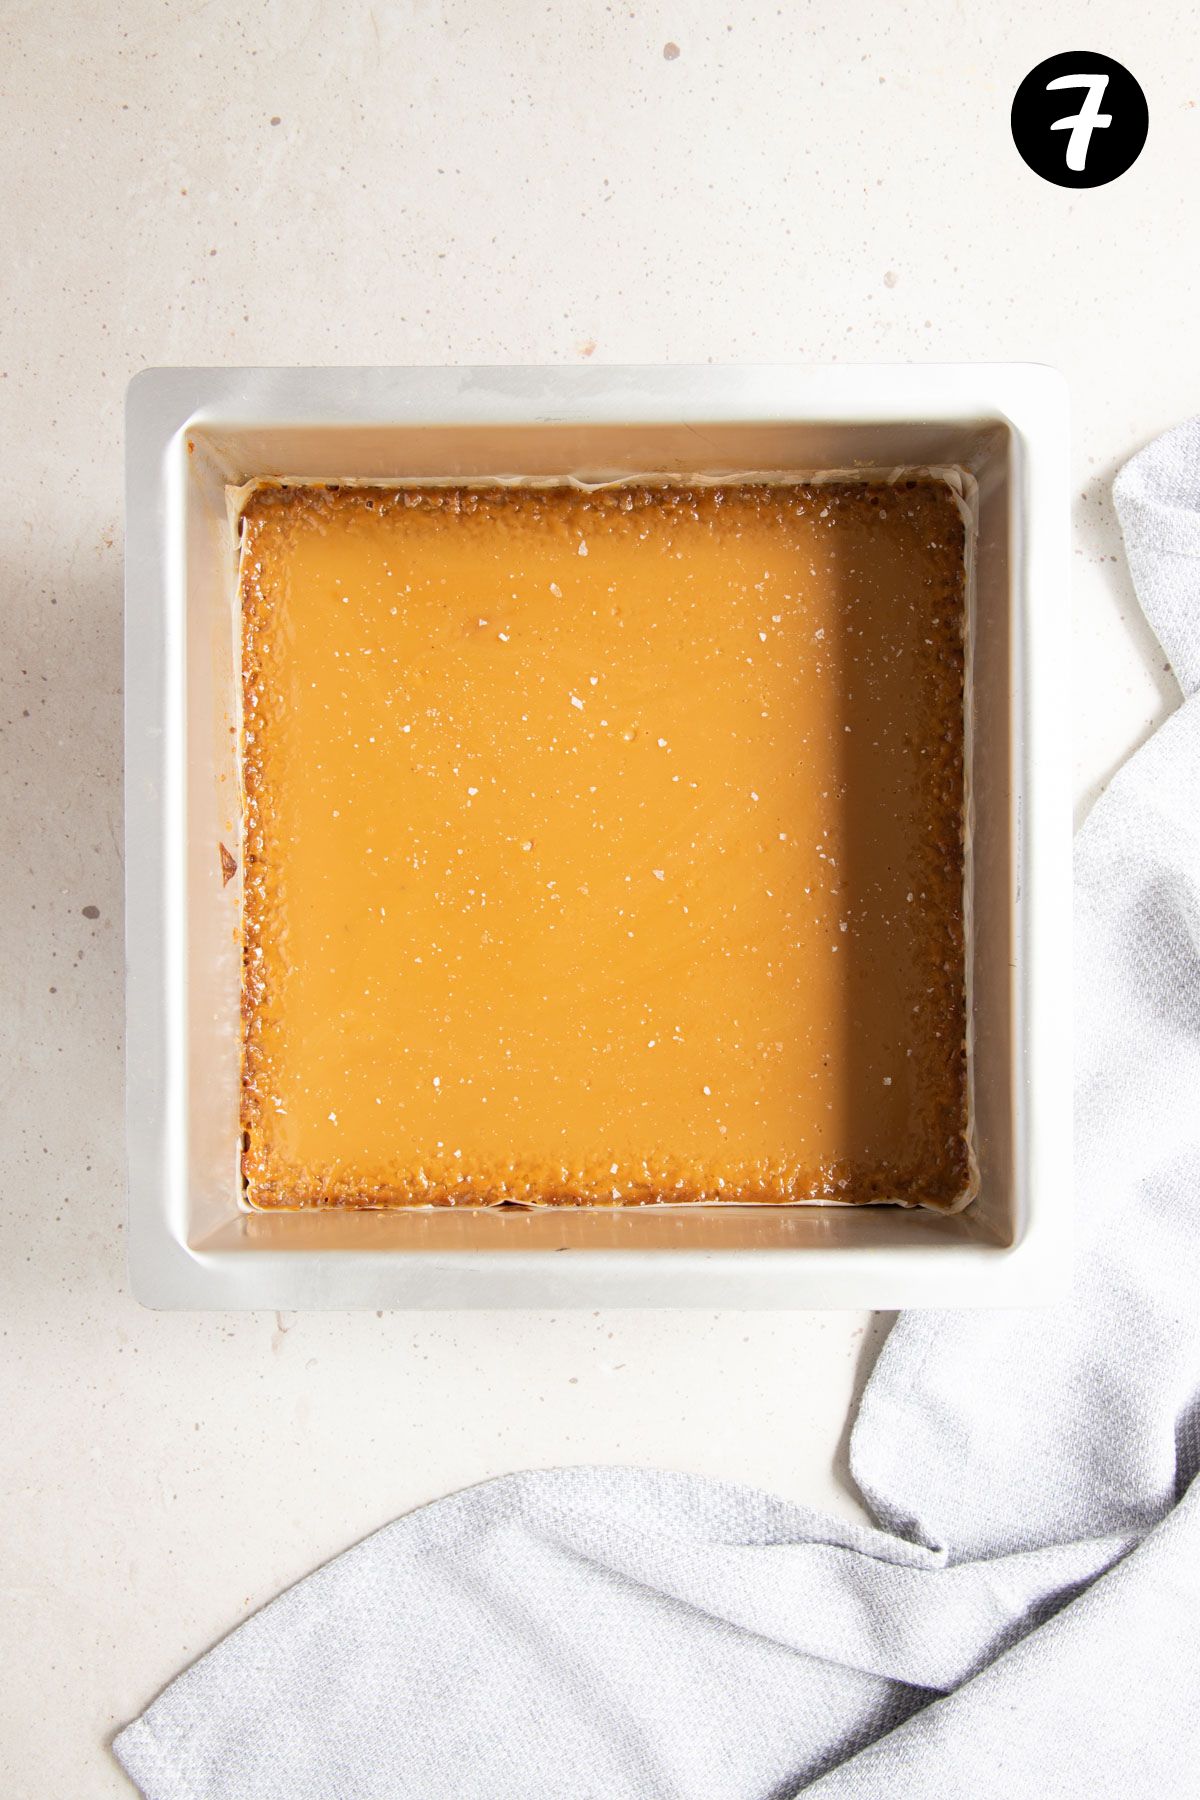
(603, 848)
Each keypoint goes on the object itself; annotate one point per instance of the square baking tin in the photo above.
(195, 433)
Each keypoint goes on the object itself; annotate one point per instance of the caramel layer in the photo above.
(603, 848)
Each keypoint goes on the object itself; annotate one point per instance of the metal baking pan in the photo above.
(193, 434)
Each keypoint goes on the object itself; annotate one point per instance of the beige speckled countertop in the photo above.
(424, 183)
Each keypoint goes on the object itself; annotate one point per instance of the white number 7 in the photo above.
(1089, 118)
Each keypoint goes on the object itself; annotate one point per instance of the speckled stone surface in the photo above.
(429, 183)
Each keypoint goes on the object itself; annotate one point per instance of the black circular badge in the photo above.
(1079, 119)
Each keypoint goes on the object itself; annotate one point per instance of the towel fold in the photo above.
(1026, 1619)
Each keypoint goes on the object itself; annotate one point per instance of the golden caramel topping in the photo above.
(603, 847)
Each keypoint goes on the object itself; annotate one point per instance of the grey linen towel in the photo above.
(1026, 1619)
